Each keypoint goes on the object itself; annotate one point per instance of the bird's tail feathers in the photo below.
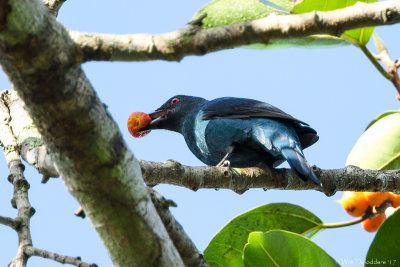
(299, 164)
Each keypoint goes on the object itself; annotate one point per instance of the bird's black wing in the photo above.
(243, 108)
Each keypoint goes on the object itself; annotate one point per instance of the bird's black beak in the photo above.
(158, 118)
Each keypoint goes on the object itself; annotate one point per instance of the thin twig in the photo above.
(32, 251)
(390, 64)
(374, 61)
(20, 199)
(14, 224)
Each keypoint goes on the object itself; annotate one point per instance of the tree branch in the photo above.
(32, 251)
(389, 64)
(188, 251)
(193, 40)
(350, 178)
(20, 199)
(29, 140)
(14, 224)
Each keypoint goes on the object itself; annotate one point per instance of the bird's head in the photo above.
(171, 115)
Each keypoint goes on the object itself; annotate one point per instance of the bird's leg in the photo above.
(224, 162)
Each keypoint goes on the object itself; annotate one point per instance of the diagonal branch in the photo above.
(14, 224)
(194, 40)
(186, 248)
(84, 141)
(30, 142)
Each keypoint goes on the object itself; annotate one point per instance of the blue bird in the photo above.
(238, 132)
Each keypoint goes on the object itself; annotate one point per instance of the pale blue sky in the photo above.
(337, 91)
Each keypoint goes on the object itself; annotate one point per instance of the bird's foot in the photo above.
(224, 163)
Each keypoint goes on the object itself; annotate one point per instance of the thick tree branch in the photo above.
(193, 40)
(84, 142)
(350, 178)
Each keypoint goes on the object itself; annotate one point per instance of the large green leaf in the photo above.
(380, 117)
(226, 248)
(358, 36)
(282, 248)
(225, 12)
(379, 146)
(385, 248)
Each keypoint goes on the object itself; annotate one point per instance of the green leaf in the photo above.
(225, 12)
(380, 117)
(358, 36)
(282, 248)
(385, 248)
(379, 146)
(226, 248)
(314, 41)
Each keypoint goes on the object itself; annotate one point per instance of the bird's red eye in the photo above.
(174, 101)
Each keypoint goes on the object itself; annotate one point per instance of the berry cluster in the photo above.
(358, 203)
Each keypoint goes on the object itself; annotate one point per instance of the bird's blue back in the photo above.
(209, 139)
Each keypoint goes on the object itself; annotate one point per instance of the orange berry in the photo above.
(376, 198)
(371, 225)
(354, 203)
(137, 121)
(395, 199)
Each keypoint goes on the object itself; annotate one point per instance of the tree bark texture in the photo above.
(86, 146)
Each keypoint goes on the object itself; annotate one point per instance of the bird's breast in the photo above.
(194, 131)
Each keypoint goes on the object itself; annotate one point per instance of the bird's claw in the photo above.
(224, 163)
